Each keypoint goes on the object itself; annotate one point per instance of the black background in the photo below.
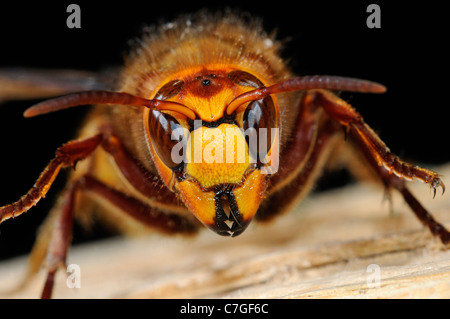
(408, 54)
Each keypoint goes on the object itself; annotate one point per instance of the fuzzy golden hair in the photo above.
(201, 39)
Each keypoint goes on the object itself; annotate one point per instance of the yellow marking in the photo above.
(217, 155)
(200, 203)
(250, 194)
(211, 108)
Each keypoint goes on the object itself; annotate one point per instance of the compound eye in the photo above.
(169, 90)
(259, 119)
(167, 137)
(245, 79)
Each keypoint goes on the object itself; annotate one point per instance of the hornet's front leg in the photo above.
(392, 171)
(53, 243)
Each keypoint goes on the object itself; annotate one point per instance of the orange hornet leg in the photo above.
(392, 171)
(61, 230)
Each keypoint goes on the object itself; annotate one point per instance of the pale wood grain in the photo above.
(322, 249)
